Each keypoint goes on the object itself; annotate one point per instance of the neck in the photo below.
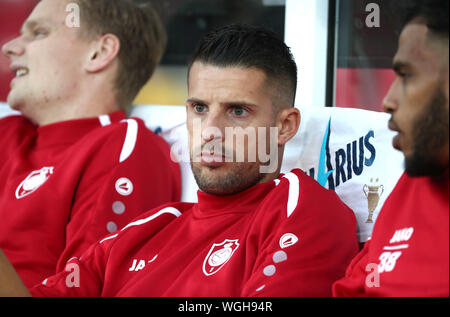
(88, 97)
(80, 108)
(273, 168)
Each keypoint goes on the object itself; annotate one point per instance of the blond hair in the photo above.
(142, 39)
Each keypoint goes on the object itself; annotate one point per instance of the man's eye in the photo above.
(239, 111)
(403, 75)
(39, 33)
(199, 108)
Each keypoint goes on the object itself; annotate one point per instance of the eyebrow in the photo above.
(240, 104)
(30, 24)
(194, 100)
(228, 103)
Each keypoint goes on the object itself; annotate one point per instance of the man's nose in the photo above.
(390, 101)
(213, 127)
(13, 47)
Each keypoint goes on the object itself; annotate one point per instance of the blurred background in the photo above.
(343, 48)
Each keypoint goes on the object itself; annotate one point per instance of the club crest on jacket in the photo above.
(219, 255)
(33, 181)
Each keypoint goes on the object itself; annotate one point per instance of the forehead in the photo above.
(211, 80)
(49, 11)
(415, 48)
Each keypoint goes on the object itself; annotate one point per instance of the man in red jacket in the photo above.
(254, 231)
(73, 168)
(408, 254)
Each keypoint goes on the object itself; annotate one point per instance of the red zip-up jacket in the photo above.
(67, 184)
(288, 237)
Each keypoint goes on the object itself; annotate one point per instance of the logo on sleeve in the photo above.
(33, 181)
(219, 255)
(139, 265)
(288, 240)
(124, 186)
(394, 250)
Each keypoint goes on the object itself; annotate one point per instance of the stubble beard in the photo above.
(240, 177)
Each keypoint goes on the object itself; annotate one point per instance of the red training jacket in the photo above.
(408, 252)
(66, 185)
(288, 237)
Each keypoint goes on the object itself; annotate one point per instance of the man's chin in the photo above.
(222, 181)
(14, 102)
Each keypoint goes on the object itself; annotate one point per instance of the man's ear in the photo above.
(103, 53)
(288, 123)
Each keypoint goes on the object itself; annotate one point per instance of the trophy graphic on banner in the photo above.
(373, 193)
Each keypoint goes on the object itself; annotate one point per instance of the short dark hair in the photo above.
(240, 45)
(434, 14)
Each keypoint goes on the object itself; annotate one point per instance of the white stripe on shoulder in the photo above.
(104, 120)
(109, 238)
(130, 139)
(294, 192)
(168, 210)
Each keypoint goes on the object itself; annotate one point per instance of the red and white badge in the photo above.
(288, 240)
(124, 186)
(219, 255)
(33, 181)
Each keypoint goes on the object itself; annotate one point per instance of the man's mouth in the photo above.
(392, 126)
(211, 157)
(21, 72)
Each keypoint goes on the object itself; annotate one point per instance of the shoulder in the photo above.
(130, 130)
(128, 139)
(298, 205)
(413, 198)
(300, 195)
(305, 189)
